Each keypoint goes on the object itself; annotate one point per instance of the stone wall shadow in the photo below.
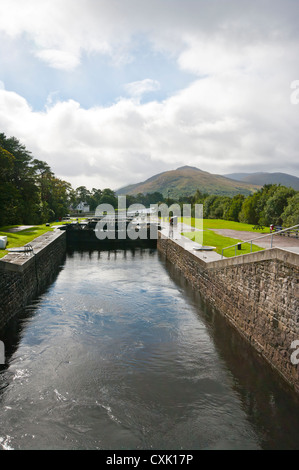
(11, 332)
(268, 400)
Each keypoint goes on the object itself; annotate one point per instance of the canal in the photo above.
(120, 353)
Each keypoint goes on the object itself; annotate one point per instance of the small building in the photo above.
(83, 206)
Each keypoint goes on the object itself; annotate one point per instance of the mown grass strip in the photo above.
(17, 239)
(213, 239)
(225, 224)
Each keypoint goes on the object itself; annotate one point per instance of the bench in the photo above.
(289, 233)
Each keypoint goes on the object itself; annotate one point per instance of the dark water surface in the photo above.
(120, 353)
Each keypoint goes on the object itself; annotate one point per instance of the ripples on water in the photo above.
(120, 353)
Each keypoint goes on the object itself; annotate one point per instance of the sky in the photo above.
(112, 92)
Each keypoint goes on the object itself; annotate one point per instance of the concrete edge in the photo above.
(196, 258)
(264, 255)
(280, 254)
(19, 262)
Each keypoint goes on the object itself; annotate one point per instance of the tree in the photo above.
(208, 205)
(43, 178)
(29, 191)
(215, 207)
(22, 177)
(235, 208)
(7, 161)
(109, 197)
(95, 198)
(9, 195)
(82, 195)
(290, 215)
(253, 206)
(275, 205)
(59, 199)
(9, 202)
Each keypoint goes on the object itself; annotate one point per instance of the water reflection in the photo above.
(120, 353)
(270, 404)
(11, 332)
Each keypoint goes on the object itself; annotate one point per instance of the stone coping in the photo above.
(264, 255)
(19, 261)
(212, 260)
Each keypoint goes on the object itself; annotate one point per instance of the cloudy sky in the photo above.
(111, 92)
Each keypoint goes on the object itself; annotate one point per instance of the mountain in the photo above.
(184, 181)
(266, 178)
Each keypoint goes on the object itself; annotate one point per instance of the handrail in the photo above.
(258, 238)
(24, 249)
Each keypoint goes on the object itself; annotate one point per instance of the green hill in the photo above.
(184, 181)
(267, 178)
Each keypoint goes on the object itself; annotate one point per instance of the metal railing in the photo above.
(279, 232)
(27, 249)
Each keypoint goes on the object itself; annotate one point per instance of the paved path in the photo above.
(279, 241)
(18, 229)
(175, 234)
(285, 242)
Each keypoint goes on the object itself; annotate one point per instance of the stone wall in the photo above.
(258, 294)
(24, 276)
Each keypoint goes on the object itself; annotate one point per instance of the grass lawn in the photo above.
(213, 239)
(14, 240)
(226, 224)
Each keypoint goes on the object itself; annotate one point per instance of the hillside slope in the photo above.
(184, 181)
(266, 178)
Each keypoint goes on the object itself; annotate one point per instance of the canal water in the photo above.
(120, 353)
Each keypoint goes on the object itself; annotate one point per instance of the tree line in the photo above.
(30, 193)
(272, 204)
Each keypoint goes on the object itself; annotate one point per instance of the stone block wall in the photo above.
(24, 277)
(258, 294)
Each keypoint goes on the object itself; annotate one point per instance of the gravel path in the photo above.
(279, 241)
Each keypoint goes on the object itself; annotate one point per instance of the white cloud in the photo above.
(59, 59)
(138, 88)
(211, 124)
(196, 29)
(236, 115)
(61, 30)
